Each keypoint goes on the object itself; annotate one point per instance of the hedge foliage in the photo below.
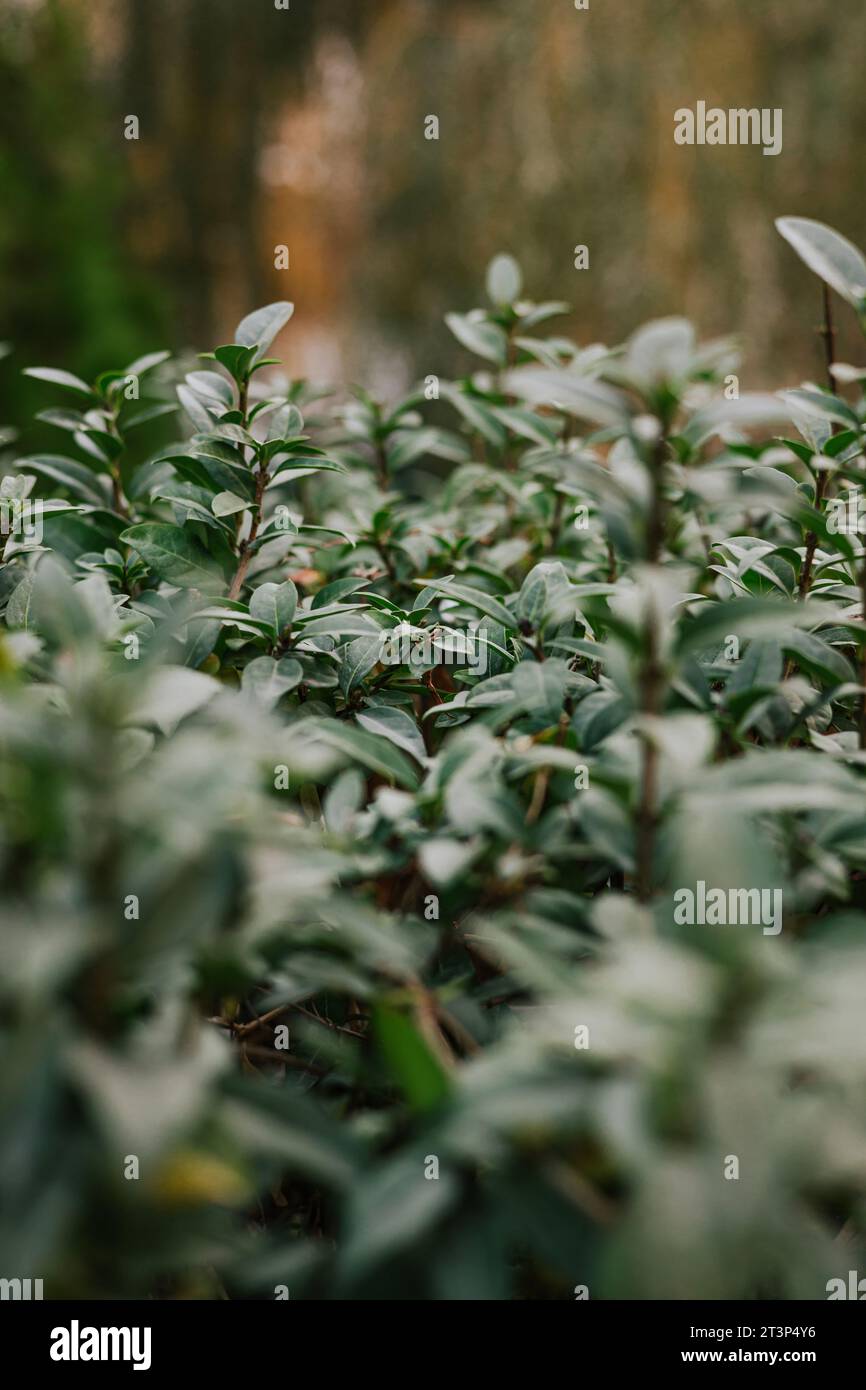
(354, 758)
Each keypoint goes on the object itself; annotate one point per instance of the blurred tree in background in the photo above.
(68, 282)
(305, 127)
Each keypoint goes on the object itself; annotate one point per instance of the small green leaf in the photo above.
(212, 386)
(173, 555)
(285, 423)
(360, 658)
(58, 377)
(830, 255)
(504, 281)
(366, 749)
(236, 359)
(259, 329)
(144, 364)
(266, 680)
(417, 1071)
(202, 419)
(485, 603)
(227, 503)
(76, 477)
(485, 339)
(274, 604)
(173, 693)
(395, 725)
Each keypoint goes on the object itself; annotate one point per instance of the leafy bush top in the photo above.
(352, 759)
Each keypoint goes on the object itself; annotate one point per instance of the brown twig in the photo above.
(647, 814)
(651, 688)
(284, 1058)
(862, 740)
(542, 776)
(828, 336)
(242, 1029)
(245, 553)
(578, 1190)
(827, 333)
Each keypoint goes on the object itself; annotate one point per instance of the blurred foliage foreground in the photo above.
(352, 758)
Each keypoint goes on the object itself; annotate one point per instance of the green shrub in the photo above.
(384, 789)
